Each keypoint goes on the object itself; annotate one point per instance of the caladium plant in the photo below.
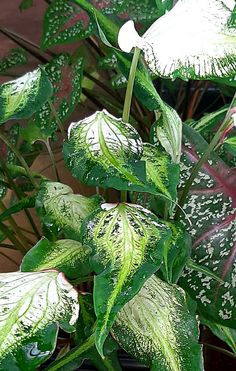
(152, 254)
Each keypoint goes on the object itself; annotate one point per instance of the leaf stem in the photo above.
(73, 354)
(129, 90)
(20, 158)
(58, 121)
(52, 158)
(227, 122)
(218, 349)
(6, 231)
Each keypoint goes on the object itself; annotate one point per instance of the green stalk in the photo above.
(20, 158)
(201, 162)
(6, 231)
(73, 354)
(52, 158)
(58, 121)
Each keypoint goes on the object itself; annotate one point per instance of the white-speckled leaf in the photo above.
(104, 151)
(157, 328)
(31, 301)
(68, 256)
(20, 98)
(14, 58)
(127, 242)
(211, 207)
(62, 210)
(194, 40)
(146, 11)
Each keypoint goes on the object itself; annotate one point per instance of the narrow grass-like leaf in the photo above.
(104, 151)
(32, 301)
(68, 256)
(128, 243)
(157, 328)
(20, 98)
(62, 210)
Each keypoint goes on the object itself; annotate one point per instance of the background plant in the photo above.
(119, 247)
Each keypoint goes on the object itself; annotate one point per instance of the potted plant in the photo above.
(140, 272)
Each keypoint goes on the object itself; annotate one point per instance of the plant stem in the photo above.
(201, 162)
(20, 158)
(129, 90)
(52, 158)
(218, 349)
(6, 231)
(73, 354)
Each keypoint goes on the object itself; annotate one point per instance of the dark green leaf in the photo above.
(14, 58)
(61, 210)
(26, 4)
(157, 328)
(210, 121)
(20, 98)
(24, 203)
(211, 208)
(104, 151)
(68, 256)
(128, 243)
(226, 334)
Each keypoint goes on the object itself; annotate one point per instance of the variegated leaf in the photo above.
(211, 207)
(173, 46)
(20, 98)
(67, 21)
(157, 328)
(32, 301)
(104, 151)
(14, 58)
(128, 243)
(62, 210)
(162, 176)
(66, 78)
(146, 11)
(168, 131)
(68, 256)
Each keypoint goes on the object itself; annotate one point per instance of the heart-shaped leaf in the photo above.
(173, 45)
(68, 256)
(66, 21)
(147, 11)
(14, 58)
(61, 210)
(104, 151)
(128, 243)
(20, 98)
(211, 208)
(32, 301)
(157, 328)
(65, 76)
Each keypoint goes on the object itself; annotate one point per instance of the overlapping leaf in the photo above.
(146, 11)
(14, 58)
(32, 301)
(128, 243)
(157, 328)
(62, 210)
(20, 98)
(104, 151)
(211, 206)
(67, 21)
(68, 256)
(66, 77)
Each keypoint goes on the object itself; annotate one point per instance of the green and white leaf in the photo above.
(62, 210)
(226, 334)
(20, 98)
(67, 256)
(168, 131)
(32, 301)
(162, 176)
(148, 10)
(157, 328)
(104, 151)
(173, 46)
(128, 243)
(210, 121)
(15, 57)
